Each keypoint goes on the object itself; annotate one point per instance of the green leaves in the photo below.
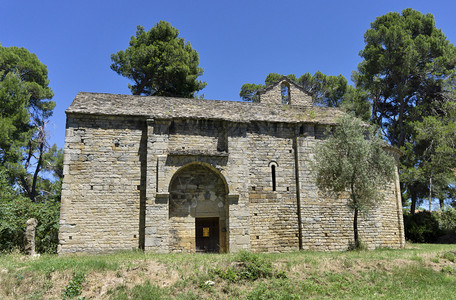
(408, 75)
(249, 92)
(15, 210)
(25, 108)
(353, 160)
(159, 63)
(326, 90)
(32, 74)
(406, 60)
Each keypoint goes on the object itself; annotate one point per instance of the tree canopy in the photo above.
(406, 61)
(159, 63)
(352, 159)
(25, 107)
(14, 120)
(408, 73)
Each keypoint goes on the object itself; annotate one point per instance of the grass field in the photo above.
(420, 271)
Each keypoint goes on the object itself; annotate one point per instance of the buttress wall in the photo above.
(101, 190)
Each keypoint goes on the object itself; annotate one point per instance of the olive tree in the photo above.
(352, 160)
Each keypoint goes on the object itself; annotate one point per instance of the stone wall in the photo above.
(165, 161)
(132, 182)
(196, 135)
(273, 208)
(101, 190)
(327, 223)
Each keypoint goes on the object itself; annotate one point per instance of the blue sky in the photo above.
(237, 41)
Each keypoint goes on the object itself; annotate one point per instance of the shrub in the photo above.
(357, 246)
(74, 287)
(249, 266)
(447, 220)
(422, 227)
(14, 213)
(449, 256)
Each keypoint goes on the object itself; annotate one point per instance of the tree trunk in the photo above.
(413, 204)
(430, 192)
(37, 171)
(355, 228)
(441, 203)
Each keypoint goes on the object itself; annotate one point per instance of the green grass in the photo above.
(420, 271)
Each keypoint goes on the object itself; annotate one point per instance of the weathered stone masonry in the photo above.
(170, 175)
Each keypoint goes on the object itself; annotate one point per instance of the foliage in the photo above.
(250, 267)
(429, 161)
(159, 63)
(25, 109)
(326, 90)
(449, 256)
(355, 101)
(13, 216)
(33, 75)
(447, 219)
(422, 227)
(408, 73)
(353, 160)
(16, 209)
(25, 191)
(74, 287)
(15, 131)
(406, 62)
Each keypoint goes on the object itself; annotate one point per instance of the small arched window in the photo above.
(273, 174)
(285, 91)
(273, 165)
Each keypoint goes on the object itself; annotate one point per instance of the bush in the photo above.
(449, 256)
(447, 220)
(422, 227)
(249, 267)
(15, 212)
(74, 287)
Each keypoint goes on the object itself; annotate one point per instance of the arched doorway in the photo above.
(198, 210)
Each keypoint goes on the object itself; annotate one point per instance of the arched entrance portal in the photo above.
(198, 210)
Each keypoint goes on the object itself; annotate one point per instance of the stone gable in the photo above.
(285, 91)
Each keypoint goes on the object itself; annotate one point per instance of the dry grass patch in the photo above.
(418, 272)
(99, 284)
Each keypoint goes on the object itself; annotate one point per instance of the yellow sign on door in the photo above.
(205, 231)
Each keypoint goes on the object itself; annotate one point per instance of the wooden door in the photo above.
(207, 235)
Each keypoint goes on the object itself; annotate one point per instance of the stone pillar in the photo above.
(157, 198)
(238, 223)
(30, 236)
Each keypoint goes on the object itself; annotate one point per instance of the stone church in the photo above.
(168, 174)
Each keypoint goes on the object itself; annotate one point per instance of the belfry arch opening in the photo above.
(198, 210)
(285, 92)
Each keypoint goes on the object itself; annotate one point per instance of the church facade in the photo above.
(167, 174)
